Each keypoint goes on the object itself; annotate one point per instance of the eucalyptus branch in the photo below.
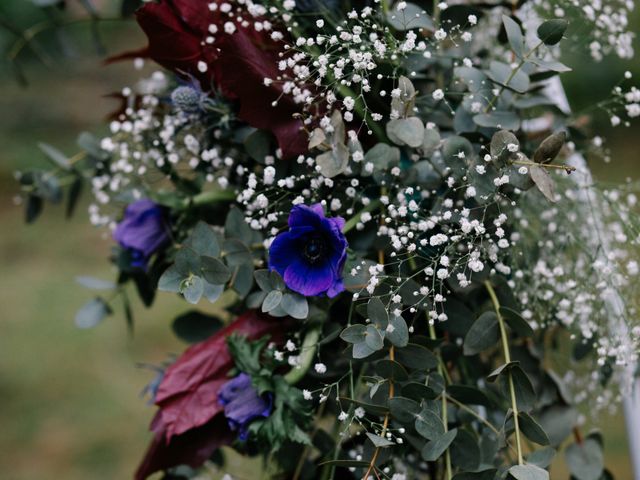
(385, 424)
(472, 412)
(445, 420)
(523, 60)
(205, 198)
(507, 358)
(567, 168)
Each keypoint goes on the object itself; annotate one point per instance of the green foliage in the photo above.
(551, 31)
(291, 414)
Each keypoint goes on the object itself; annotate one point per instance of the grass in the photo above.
(70, 398)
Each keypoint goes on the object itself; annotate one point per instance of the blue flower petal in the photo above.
(304, 272)
(309, 280)
(303, 216)
(242, 404)
(283, 250)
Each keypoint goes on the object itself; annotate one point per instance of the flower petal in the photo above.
(309, 280)
(282, 252)
(304, 215)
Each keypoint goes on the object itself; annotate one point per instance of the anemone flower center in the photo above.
(314, 249)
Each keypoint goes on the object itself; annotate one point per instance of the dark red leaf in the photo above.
(192, 448)
(237, 64)
(246, 58)
(187, 396)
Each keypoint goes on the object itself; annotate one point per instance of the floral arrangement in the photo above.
(414, 273)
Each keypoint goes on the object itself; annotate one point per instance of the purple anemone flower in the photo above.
(142, 231)
(311, 255)
(242, 404)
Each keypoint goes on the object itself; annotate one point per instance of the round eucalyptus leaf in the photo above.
(406, 131)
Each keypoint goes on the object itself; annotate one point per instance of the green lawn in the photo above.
(69, 399)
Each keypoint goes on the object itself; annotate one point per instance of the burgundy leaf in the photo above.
(237, 64)
(187, 396)
(192, 448)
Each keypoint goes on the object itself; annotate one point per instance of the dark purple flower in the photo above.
(242, 404)
(311, 255)
(142, 231)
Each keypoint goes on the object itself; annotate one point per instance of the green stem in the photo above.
(474, 413)
(567, 168)
(507, 358)
(523, 60)
(307, 352)
(445, 420)
(211, 196)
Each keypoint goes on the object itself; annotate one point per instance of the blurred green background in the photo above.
(70, 405)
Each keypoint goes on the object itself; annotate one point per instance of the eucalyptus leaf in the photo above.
(378, 441)
(406, 131)
(532, 429)
(263, 279)
(391, 370)
(403, 409)
(236, 253)
(187, 262)
(469, 395)
(409, 18)
(295, 305)
(362, 350)
(551, 31)
(542, 457)
(482, 335)
(418, 391)
(514, 35)
(430, 141)
(428, 424)
(214, 271)
(171, 279)
(516, 322)
(204, 241)
(382, 156)
(585, 460)
(465, 451)
(525, 394)
(489, 474)
(377, 313)
(58, 158)
(334, 162)
(192, 289)
(558, 422)
(397, 332)
(272, 300)
(498, 119)
(528, 472)
(92, 313)
(373, 338)
(435, 448)
(354, 333)
(235, 225)
(543, 181)
(212, 292)
(504, 75)
(416, 357)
